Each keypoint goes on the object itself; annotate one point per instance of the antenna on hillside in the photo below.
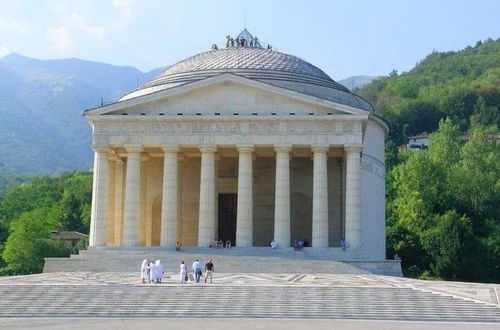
(102, 101)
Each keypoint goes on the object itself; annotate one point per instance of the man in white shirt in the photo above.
(197, 270)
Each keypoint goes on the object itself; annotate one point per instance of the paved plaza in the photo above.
(236, 296)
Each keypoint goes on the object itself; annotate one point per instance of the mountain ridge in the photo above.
(41, 102)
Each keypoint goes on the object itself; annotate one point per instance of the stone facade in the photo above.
(235, 157)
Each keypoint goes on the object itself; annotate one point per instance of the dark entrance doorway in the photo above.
(227, 217)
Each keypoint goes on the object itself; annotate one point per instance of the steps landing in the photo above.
(233, 260)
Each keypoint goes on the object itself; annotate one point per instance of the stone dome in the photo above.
(258, 64)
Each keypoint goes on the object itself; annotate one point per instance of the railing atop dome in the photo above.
(245, 40)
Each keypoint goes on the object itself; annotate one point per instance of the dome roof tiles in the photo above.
(259, 64)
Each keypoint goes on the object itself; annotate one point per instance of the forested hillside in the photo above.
(463, 85)
(443, 206)
(41, 102)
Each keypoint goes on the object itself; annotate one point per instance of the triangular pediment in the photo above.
(226, 94)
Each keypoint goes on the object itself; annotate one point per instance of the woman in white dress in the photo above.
(144, 271)
(183, 272)
(159, 270)
(152, 272)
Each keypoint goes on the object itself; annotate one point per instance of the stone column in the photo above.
(320, 197)
(99, 212)
(132, 197)
(282, 196)
(353, 197)
(169, 198)
(206, 219)
(244, 217)
(118, 201)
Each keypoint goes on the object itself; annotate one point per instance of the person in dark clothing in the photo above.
(209, 268)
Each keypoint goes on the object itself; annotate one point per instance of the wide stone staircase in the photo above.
(234, 260)
(327, 297)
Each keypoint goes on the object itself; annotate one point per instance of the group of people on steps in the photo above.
(153, 271)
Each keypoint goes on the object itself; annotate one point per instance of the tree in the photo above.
(450, 245)
(29, 241)
(71, 213)
(393, 73)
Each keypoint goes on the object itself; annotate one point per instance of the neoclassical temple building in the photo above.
(243, 144)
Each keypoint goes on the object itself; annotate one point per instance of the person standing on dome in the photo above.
(228, 41)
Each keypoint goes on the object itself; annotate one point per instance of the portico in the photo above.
(136, 178)
(250, 153)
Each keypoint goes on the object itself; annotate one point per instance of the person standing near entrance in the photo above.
(197, 270)
(183, 273)
(209, 268)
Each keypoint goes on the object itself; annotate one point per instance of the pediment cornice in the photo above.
(223, 78)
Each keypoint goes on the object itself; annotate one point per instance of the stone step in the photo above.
(382, 303)
(234, 260)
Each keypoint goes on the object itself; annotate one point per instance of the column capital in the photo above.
(208, 148)
(320, 148)
(133, 148)
(171, 148)
(100, 149)
(245, 148)
(353, 148)
(282, 147)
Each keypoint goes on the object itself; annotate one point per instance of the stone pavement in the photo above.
(223, 324)
(289, 296)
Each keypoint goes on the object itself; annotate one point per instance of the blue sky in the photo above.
(341, 37)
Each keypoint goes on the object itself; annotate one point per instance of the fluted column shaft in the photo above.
(99, 213)
(206, 221)
(244, 217)
(132, 197)
(353, 198)
(282, 196)
(169, 199)
(118, 201)
(320, 197)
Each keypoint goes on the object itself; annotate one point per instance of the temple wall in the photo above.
(153, 191)
(264, 177)
(335, 202)
(301, 191)
(373, 192)
(190, 195)
(111, 204)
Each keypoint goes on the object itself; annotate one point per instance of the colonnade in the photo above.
(207, 201)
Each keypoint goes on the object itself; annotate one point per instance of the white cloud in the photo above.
(60, 39)
(14, 26)
(81, 23)
(123, 7)
(4, 50)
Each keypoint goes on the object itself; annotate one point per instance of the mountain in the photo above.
(463, 85)
(355, 82)
(41, 103)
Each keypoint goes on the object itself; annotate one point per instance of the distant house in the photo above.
(418, 142)
(421, 142)
(70, 237)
